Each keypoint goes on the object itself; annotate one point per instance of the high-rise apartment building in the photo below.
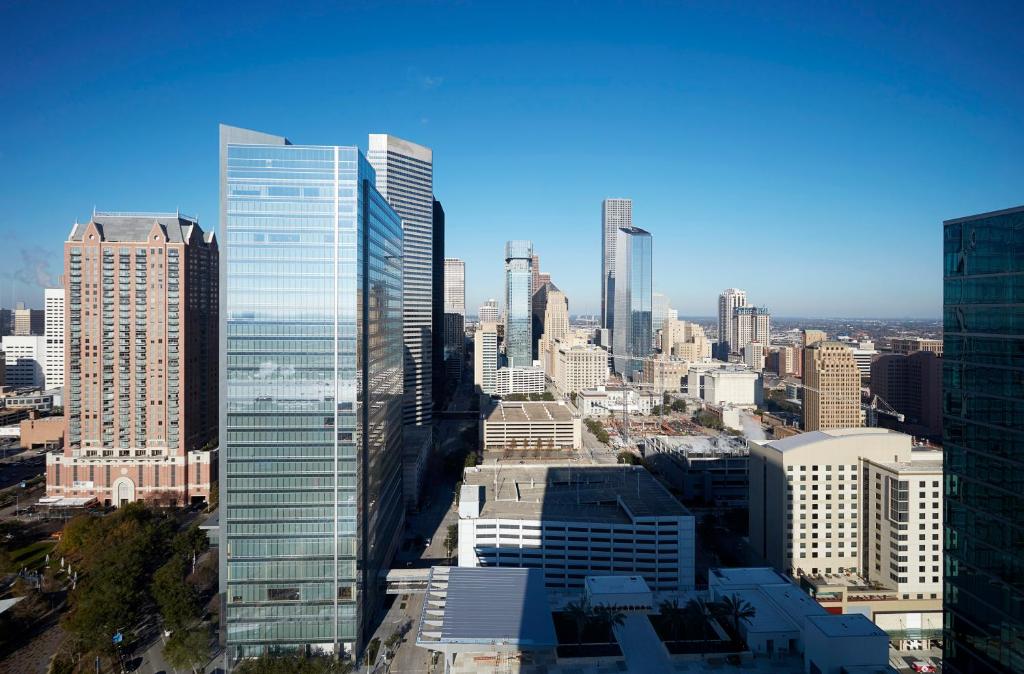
(485, 356)
(489, 312)
(753, 356)
(789, 361)
(141, 330)
(454, 317)
(685, 340)
(405, 178)
(983, 438)
(750, 324)
(519, 303)
(311, 398)
(615, 214)
(439, 373)
(831, 387)
(728, 301)
(53, 299)
(631, 333)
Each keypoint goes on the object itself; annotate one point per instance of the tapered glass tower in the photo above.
(311, 394)
(519, 303)
(631, 334)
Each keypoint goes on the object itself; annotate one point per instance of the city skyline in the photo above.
(807, 131)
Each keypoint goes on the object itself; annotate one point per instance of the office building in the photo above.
(789, 361)
(663, 373)
(730, 385)
(575, 521)
(831, 387)
(705, 470)
(659, 312)
(857, 514)
(577, 366)
(909, 345)
(983, 437)
(439, 372)
(684, 340)
(753, 356)
(54, 332)
(454, 317)
(312, 394)
(555, 322)
(489, 312)
(809, 337)
(141, 382)
(615, 214)
(610, 400)
(531, 425)
(912, 385)
(405, 178)
(26, 322)
(728, 302)
(513, 380)
(33, 399)
(25, 361)
(750, 324)
(632, 329)
(863, 354)
(519, 303)
(485, 357)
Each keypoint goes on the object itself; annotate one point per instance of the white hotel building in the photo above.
(574, 522)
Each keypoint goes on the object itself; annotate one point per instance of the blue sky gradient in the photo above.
(804, 153)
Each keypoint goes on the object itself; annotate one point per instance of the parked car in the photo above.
(922, 666)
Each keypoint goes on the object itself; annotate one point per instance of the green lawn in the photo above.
(32, 555)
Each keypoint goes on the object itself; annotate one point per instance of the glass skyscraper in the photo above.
(983, 437)
(631, 332)
(519, 303)
(311, 395)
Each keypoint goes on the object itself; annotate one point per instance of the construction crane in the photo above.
(873, 407)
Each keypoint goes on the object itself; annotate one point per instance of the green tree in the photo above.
(176, 599)
(608, 617)
(293, 665)
(736, 610)
(451, 540)
(628, 458)
(674, 617)
(698, 614)
(580, 613)
(678, 406)
(188, 649)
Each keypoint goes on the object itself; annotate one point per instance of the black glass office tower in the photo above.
(983, 432)
(311, 395)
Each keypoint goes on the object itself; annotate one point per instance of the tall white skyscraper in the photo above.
(405, 177)
(454, 317)
(489, 312)
(485, 356)
(615, 214)
(54, 333)
(727, 302)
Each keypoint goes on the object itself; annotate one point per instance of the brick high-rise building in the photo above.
(141, 368)
(831, 387)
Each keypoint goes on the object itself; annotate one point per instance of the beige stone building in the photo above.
(665, 373)
(908, 345)
(831, 387)
(684, 340)
(141, 363)
(577, 367)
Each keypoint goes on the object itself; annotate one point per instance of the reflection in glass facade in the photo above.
(631, 335)
(311, 396)
(519, 303)
(983, 433)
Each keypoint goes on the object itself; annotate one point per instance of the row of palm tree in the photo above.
(698, 612)
(583, 613)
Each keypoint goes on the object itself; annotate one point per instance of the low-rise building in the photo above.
(45, 433)
(30, 398)
(521, 425)
(607, 400)
(731, 385)
(706, 470)
(575, 521)
(510, 380)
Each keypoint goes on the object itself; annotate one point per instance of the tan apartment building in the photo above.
(577, 367)
(831, 387)
(141, 363)
(684, 340)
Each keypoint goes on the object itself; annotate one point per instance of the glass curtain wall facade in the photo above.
(631, 336)
(983, 433)
(311, 396)
(519, 303)
(615, 214)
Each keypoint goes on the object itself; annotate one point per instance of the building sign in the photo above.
(82, 484)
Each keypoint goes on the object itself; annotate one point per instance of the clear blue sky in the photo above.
(805, 154)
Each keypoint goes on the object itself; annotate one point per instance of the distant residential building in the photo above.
(489, 312)
(485, 357)
(706, 470)
(54, 333)
(531, 425)
(632, 330)
(664, 373)
(615, 214)
(142, 361)
(753, 356)
(519, 303)
(404, 174)
(454, 317)
(831, 387)
(912, 384)
(609, 400)
(750, 324)
(909, 345)
(617, 520)
(577, 367)
(728, 302)
(509, 380)
(789, 361)
(25, 361)
(684, 339)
